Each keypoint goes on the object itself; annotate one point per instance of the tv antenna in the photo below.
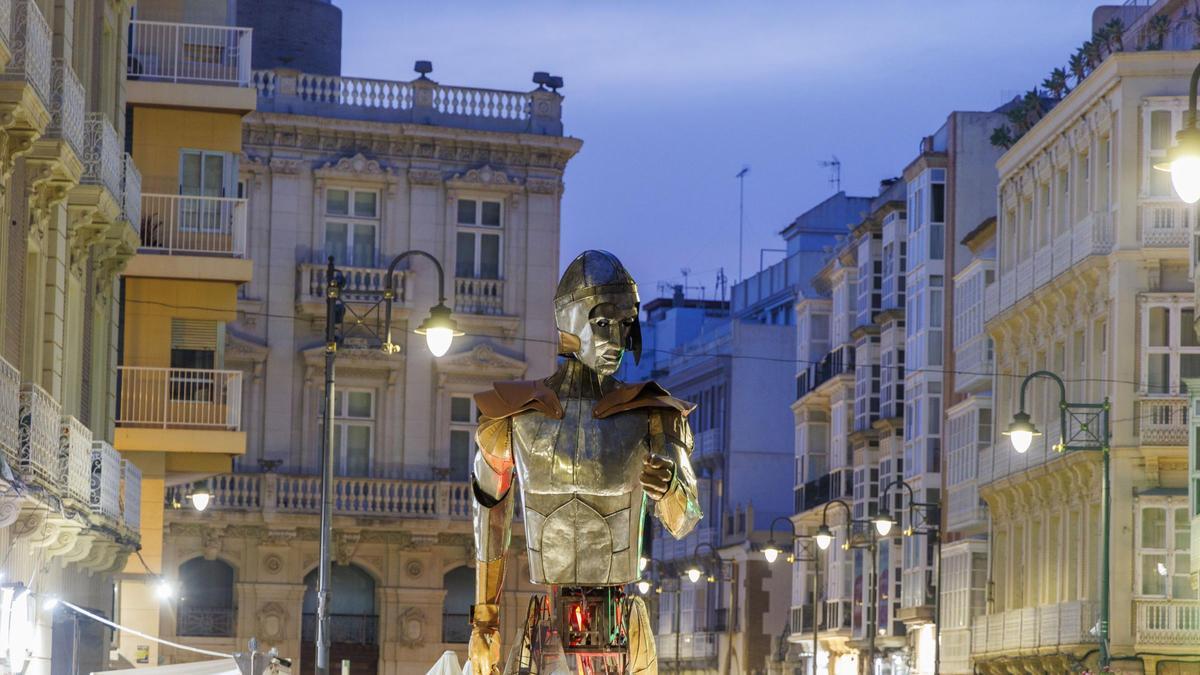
(835, 172)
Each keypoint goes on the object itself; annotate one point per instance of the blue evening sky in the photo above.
(672, 98)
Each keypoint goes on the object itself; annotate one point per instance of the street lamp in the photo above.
(771, 553)
(1183, 159)
(824, 538)
(730, 611)
(200, 497)
(930, 513)
(439, 330)
(1089, 431)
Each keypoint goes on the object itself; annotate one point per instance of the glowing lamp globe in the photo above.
(1021, 432)
(694, 574)
(771, 552)
(1183, 163)
(883, 523)
(439, 330)
(200, 498)
(643, 587)
(824, 537)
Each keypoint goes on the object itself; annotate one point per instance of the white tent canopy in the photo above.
(216, 667)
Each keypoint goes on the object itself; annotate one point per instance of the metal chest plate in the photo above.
(579, 482)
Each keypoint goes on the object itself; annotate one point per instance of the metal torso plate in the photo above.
(579, 482)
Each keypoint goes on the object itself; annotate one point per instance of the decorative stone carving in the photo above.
(414, 568)
(285, 167)
(211, 539)
(358, 164)
(410, 627)
(486, 176)
(273, 564)
(543, 186)
(424, 177)
(344, 546)
(272, 621)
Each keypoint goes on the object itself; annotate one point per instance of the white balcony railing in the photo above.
(40, 418)
(377, 497)
(180, 398)
(66, 107)
(190, 53)
(75, 458)
(690, 646)
(478, 296)
(131, 495)
(1044, 627)
(10, 412)
(1165, 224)
(363, 284)
(1093, 235)
(32, 58)
(102, 157)
(975, 362)
(131, 193)
(1162, 421)
(106, 481)
(1168, 622)
(188, 225)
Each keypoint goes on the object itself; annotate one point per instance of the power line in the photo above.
(672, 353)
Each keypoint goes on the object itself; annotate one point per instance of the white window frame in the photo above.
(477, 230)
(342, 423)
(212, 221)
(350, 219)
(1170, 504)
(1174, 304)
(454, 425)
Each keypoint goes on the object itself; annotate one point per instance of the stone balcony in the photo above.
(1161, 420)
(1161, 623)
(359, 497)
(419, 101)
(1165, 223)
(363, 285)
(1063, 624)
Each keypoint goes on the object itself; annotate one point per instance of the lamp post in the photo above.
(824, 537)
(694, 572)
(930, 513)
(771, 553)
(1183, 159)
(1089, 431)
(439, 330)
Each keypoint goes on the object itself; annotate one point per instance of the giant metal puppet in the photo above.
(590, 455)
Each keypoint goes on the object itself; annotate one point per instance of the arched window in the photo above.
(352, 616)
(206, 604)
(460, 593)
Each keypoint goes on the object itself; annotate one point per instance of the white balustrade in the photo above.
(478, 296)
(32, 58)
(473, 102)
(10, 411)
(102, 155)
(106, 481)
(351, 496)
(66, 107)
(1093, 235)
(131, 193)
(1061, 253)
(1165, 224)
(1043, 266)
(75, 458)
(190, 53)
(180, 398)
(360, 92)
(131, 495)
(1043, 627)
(193, 225)
(40, 417)
(1168, 622)
(363, 284)
(1162, 421)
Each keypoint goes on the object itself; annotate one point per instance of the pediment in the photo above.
(485, 177)
(357, 166)
(482, 361)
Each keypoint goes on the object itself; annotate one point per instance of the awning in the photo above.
(216, 667)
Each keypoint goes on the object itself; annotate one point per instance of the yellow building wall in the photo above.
(150, 304)
(160, 133)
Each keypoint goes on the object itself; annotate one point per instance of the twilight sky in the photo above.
(673, 97)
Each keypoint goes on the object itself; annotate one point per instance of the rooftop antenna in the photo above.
(685, 272)
(741, 176)
(835, 172)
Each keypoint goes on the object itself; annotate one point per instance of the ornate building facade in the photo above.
(361, 170)
(70, 504)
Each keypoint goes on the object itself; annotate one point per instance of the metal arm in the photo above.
(1062, 388)
(389, 292)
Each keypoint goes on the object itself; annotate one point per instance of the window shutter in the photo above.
(194, 334)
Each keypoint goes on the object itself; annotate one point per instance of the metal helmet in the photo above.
(593, 278)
